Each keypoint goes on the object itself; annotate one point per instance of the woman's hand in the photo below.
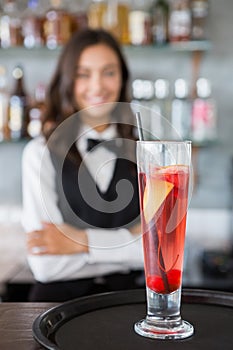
(57, 239)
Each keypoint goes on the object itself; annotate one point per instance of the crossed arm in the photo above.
(61, 239)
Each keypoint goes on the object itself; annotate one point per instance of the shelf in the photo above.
(202, 45)
(189, 46)
(20, 51)
(23, 142)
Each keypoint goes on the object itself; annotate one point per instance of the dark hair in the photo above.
(60, 101)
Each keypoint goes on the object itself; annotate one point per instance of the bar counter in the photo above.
(106, 321)
(16, 321)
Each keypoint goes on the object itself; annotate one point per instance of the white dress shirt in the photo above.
(109, 250)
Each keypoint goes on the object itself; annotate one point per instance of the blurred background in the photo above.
(180, 55)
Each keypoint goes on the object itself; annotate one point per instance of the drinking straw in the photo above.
(139, 124)
(152, 223)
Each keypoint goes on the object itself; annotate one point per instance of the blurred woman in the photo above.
(80, 192)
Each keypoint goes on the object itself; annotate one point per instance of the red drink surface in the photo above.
(163, 201)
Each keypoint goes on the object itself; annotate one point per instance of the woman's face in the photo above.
(98, 82)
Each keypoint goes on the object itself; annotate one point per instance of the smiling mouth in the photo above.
(97, 100)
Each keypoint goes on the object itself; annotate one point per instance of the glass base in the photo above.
(149, 330)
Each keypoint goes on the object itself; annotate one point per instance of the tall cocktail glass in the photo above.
(164, 176)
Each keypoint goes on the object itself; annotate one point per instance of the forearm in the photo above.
(78, 238)
(78, 249)
(57, 240)
(66, 239)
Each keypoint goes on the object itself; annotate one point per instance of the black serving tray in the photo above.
(106, 322)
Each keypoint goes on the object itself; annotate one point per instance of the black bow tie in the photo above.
(110, 145)
(92, 143)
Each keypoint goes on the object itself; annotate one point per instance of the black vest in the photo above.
(84, 206)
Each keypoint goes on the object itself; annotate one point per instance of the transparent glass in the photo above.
(164, 184)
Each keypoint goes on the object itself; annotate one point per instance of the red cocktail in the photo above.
(164, 205)
(163, 172)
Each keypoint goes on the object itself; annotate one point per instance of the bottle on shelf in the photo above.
(123, 21)
(160, 107)
(96, 11)
(204, 113)
(200, 11)
(111, 15)
(36, 111)
(10, 25)
(110, 18)
(143, 94)
(159, 16)
(4, 100)
(180, 21)
(32, 25)
(18, 106)
(140, 28)
(181, 110)
(78, 13)
(57, 25)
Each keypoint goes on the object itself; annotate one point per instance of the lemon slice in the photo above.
(155, 193)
